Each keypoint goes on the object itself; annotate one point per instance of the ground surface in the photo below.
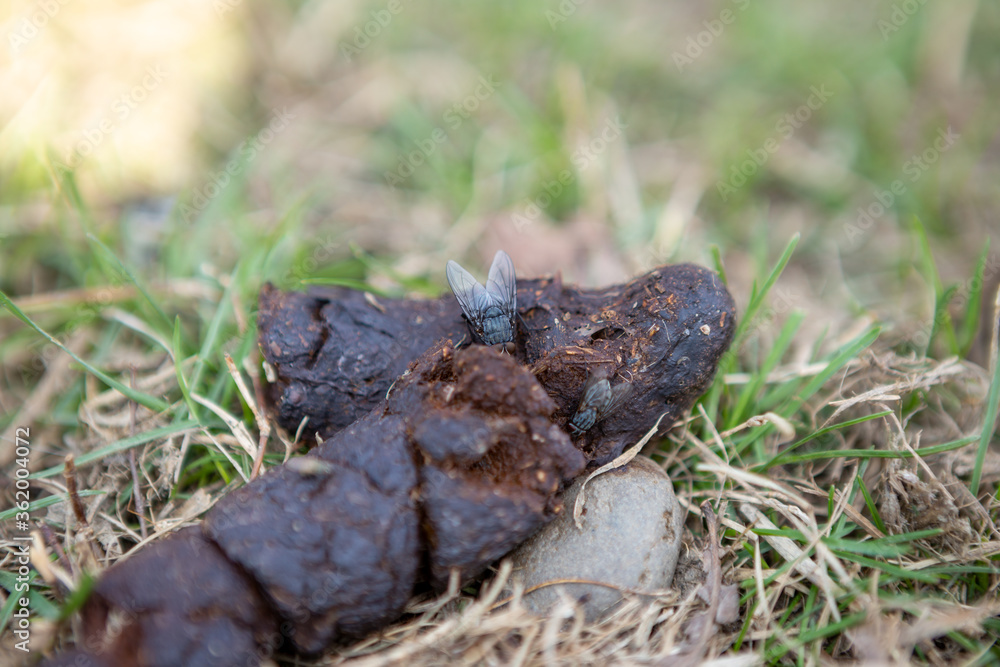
(159, 161)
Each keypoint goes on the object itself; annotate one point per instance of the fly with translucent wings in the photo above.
(599, 400)
(489, 310)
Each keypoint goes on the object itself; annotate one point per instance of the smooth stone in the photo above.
(630, 538)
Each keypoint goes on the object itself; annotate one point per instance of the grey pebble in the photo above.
(630, 538)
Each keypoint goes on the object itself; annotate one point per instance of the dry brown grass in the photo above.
(486, 625)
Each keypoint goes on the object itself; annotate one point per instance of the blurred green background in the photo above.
(372, 141)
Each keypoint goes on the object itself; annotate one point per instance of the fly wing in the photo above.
(501, 284)
(619, 394)
(596, 392)
(471, 295)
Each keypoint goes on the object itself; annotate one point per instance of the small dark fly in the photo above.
(490, 310)
(599, 400)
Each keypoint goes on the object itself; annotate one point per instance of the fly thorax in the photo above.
(492, 311)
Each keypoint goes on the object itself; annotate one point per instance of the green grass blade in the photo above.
(37, 602)
(164, 321)
(728, 361)
(65, 182)
(870, 504)
(75, 601)
(47, 501)
(790, 533)
(8, 581)
(211, 338)
(912, 536)
(758, 297)
(840, 358)
(973, 307)
(775, 653)
(890, 569)
(963, 569)
(881, 453)
(179, 369)
(942, 318)
(717, 264)
(41, 604)
(151, 402)
(868, 547)
(120, 446)
(989, 419)
(781, 457)
(748, 619)
(740, 411)
(786, 399)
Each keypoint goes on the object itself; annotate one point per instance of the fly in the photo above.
(489, 310)
(599, 400)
